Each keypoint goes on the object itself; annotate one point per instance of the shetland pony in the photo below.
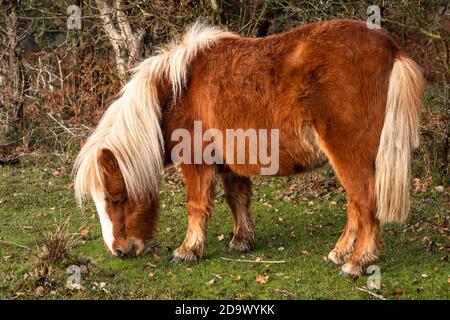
(337, 91)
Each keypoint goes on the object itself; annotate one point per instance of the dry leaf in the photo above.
(211, 282)
(156, 256)
(221, 237)
(262, 279)
(39, 291)
(398, 292)
(84, 232)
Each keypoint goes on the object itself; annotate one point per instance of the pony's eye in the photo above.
(117, 202)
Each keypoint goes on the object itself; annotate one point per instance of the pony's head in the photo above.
(120, 167)
(127, 224)
(121, 163)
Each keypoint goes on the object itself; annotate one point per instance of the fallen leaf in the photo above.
(237, 278)
(39, 291)
(84, 269)
(221, 237)
(84, 232)
(149, 265)
(17, 295)
(156, 256)
(211, 282)
(398, 292)
(262, 279)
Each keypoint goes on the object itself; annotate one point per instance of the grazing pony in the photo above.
(335, 91)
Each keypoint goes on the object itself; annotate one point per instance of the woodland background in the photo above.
(55, 83)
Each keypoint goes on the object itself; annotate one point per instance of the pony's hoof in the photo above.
(184, 255)
(351, 270)
(337, 257)
(241, 245)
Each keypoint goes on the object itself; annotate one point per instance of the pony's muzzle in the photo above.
(129, 248)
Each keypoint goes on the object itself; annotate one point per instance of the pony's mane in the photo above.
(130, 128)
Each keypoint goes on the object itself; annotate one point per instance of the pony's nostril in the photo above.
(133, 250)
(120, 253)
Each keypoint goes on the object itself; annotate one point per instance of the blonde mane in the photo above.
(130, 128)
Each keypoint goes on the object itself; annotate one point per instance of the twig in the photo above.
(285, 292)
(253, 261)
(14, 244)
(371, 293)
(63, 126)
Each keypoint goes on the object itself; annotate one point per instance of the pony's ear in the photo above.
(108, 162)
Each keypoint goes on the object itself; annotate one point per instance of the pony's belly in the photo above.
(297, 152)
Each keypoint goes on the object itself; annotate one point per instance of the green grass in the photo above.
(297, 220)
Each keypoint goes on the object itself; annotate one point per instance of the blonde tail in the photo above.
(399, 137)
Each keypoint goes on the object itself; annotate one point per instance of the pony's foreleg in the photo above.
(200, 188)
(238, 192)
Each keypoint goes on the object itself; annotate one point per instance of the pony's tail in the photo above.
(130, 128)
(399, 137)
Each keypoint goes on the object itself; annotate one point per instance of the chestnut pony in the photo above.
(337, 91)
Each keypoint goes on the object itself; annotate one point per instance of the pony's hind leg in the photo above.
(344, 246)
(200, 188)
(357, 246)
(238, 192)
(354, 167)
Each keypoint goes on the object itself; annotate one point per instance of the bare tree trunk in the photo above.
(127, 45)
(12, 79)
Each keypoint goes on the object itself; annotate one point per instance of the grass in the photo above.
(297, 220)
